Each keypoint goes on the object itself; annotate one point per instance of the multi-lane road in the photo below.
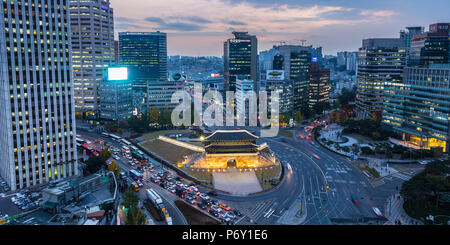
(317, 188)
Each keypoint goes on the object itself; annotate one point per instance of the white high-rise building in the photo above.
(37, 119)
(92, 27)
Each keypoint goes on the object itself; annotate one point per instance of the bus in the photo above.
(126, 150)
(89, 149)
(134, 148)
(80, 140)
(125, 142)
(115, 137)
(135, 175)
(138, 156)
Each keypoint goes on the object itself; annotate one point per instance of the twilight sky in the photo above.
(199, 27)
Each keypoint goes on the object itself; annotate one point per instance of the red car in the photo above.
(316, 156)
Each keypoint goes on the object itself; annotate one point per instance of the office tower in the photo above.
(407, 36)
(265, 60)
(145, 55)
(319, 84)
(295, 61)
(160, 94)
(348, 60)
(432, 47)
(116, 52)
(240, 59)
(116, 95)
(92, 27)
(244, 89)
(275, 81)
(37, 115)
(419, 107)
(381, 60)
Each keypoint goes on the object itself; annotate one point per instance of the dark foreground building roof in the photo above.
(231, 135)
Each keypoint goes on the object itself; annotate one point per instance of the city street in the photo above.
(302, 197)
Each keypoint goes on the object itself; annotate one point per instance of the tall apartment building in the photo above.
(381, 61)
(432, 47)
(145, 55)
(319, 84)
(37, 115)
(240, 59)
(92, 27)
(419, 106)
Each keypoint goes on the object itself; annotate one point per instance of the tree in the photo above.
(154, 115)
(130, 198)
(94, 164)
(135, 216)
(105, 154)
(299, 117)
(114, 167)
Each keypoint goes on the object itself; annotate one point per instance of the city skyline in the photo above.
(198, 27)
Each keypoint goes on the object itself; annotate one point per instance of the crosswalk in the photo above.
(259, 210)
(402, 176)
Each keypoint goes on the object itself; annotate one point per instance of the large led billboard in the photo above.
(117, 73)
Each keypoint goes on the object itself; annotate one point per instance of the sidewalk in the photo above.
(395, 214)
(292, 216)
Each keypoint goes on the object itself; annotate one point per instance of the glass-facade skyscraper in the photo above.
(419, 106)
(145, 55)
(37, 115)
(380, 60)
(240, 59)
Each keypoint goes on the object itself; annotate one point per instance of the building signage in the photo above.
(275, 75)
(117, 73)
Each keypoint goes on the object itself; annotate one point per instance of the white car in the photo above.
(377, 211)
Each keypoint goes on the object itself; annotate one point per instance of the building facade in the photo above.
(319, 84)
(38, 112)
(380, 60)
(240, 59)
(92, 27)
(116, 95)
(159, 94)
(145, 55)
(419, 107)
(432, 47)
(275, 81)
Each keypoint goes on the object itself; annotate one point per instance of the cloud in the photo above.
(236, 23)
(155, 20)
(198, 20)
(180, 26)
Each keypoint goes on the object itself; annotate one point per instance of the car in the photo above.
(140, 183)
(224, 218)
(190, 200)
(179, 178)
(201, 205)
(237, 212)
(214, 202)
(231, 215)
(217, 208)
(377, 211)
(206, 201)
(171, 189)
(213, 212)
(116, 157)
(355, 201)
(316, 156)
(224, 206)
(212, 193)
